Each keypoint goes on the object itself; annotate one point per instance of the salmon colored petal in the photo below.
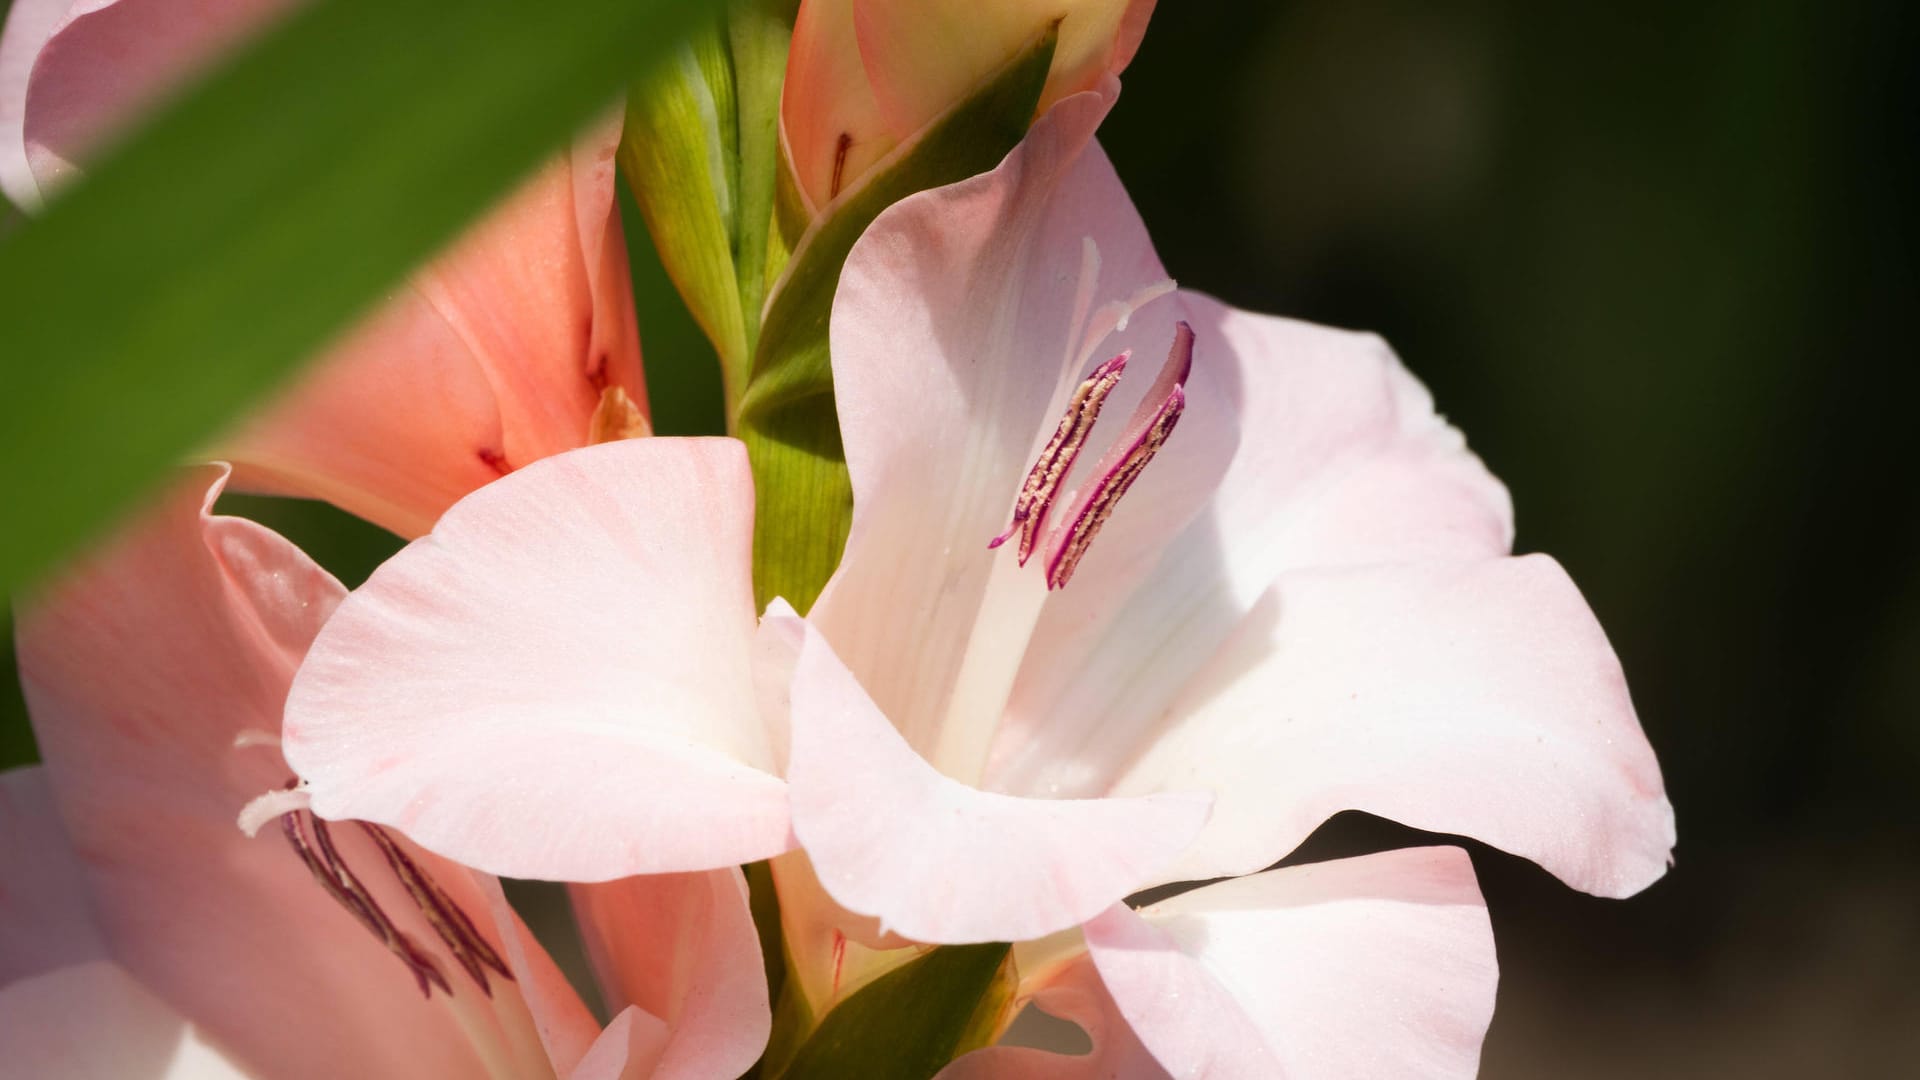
(1473, 698)
(924, 57)
(1339, 459)
(46, 916)
(682, 949)
(829, 120)
(494, 356)
(557, 681)
(1380, 966)
(28, 25)
(540, 996)
(935, 860)
(627, 1050)
(142, 666)
(95, 1022)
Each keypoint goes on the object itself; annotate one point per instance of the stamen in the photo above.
(1146, 432)
(323, 859)
(462, 938)
(1056, 459)
(341, 884)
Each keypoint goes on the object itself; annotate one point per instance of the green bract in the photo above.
(908, 1023)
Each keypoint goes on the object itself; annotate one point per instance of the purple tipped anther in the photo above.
(1057, 457)
(339, 881)
(1146, 432)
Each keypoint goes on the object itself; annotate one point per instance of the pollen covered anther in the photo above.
(1147, 431)
(1056, 458)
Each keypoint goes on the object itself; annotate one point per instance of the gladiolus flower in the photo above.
(142, 933)
(1031, 689)
(863, 76)
(517, 343)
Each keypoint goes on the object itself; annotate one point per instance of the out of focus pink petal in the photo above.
(938, 861)
(46, 917)
(682, 948)
(557, 681)
(95, 1022)
(141, 667)
(1472, 698)
(111, 61)
(1380, 966)
(28, 25)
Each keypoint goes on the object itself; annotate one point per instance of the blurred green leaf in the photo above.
(258, 213)
(910, 1022)
(804, 500)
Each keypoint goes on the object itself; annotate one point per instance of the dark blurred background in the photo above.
(1657, 261)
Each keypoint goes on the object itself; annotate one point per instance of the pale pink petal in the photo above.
(557, 681)
(28, 25)
(922, 58)
(95, 1022)
(1007, 290)
(682, 949)
(142, 666)
(1380, 966)
(1340, 460)
(494, 356)
(46, 916)
(1473, 698)
(1074, 993)
(111, 61)
(938, 861)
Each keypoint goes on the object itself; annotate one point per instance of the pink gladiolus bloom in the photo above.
(1277, 586)
(517, 343)
(143, 934)
(863, 76)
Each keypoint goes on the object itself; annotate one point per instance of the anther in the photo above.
(341, 884)
(312, 841)
(1056, 458)
(1147, 431)
(456, 930)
